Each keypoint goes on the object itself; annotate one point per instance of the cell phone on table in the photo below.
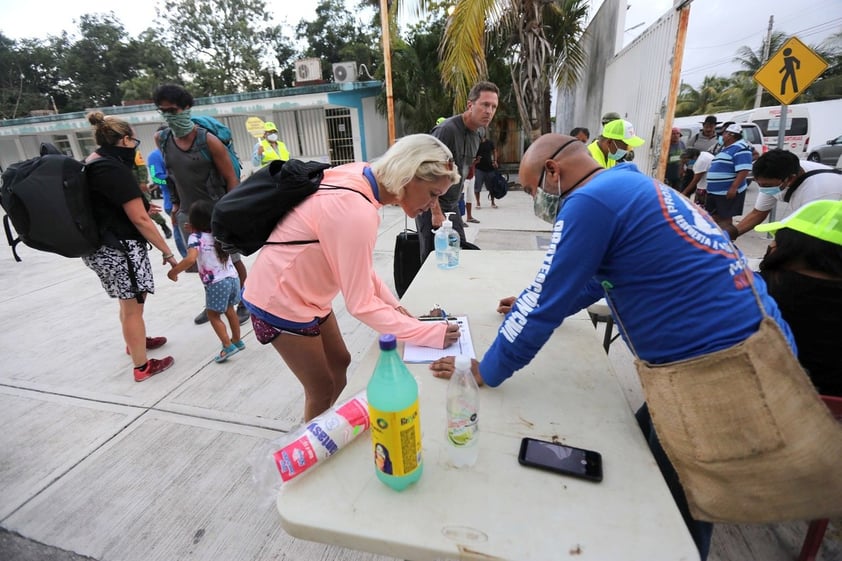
(558, 458)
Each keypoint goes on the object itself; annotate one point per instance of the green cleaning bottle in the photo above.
(392, 395)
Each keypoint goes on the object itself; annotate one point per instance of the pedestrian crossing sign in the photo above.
(790, 71)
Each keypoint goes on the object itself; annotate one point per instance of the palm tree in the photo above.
(704, 101)
(541, 39)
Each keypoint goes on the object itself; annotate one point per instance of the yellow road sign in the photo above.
(790, 71)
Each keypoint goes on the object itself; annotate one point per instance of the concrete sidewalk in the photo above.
(96, 466)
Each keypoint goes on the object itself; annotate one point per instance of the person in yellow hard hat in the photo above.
(269, 147)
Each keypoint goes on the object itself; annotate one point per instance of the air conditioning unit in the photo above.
(344, 72)
(308, 69)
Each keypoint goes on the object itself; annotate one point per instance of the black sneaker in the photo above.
(201, 318)
(242, 313)
(167, 231)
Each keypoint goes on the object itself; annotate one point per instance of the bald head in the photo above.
(544, 155)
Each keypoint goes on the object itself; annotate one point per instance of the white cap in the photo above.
(447, 223)
(734, 128)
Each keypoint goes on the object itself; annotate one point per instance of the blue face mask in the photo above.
(771, 191)
(690, 163)
(618, 155)
(720, 141)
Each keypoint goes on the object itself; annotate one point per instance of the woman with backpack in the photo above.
(291, 287)
(122, 262)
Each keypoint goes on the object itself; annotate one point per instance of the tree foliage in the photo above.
(738, 91)
(539, 40)
(228, 46)
(336, 35)
(217, 42)
(96, 63)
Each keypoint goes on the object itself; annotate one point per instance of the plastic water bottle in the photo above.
(463, 415)
(392, 396)
(447, 245)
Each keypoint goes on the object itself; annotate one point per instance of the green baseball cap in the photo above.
(819, 219)
(622, 130)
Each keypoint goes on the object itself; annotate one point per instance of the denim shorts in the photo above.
(222, 294)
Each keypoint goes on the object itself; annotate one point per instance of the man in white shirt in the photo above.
(700, 162)
(782, 177)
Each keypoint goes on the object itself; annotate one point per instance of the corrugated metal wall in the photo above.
(634, 82)
(637, 85)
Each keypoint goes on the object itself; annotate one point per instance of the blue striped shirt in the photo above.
(726, 165)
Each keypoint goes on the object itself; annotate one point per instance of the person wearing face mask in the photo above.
(617, 233)
(269, 148)
(782, 177)
(613, 143)
(122, 263)
(803, 269)
(198, 166)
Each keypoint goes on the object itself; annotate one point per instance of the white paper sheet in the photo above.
(464, 346)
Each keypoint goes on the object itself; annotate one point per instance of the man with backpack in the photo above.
(199, 163)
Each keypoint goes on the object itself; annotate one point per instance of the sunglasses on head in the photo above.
(448, 164)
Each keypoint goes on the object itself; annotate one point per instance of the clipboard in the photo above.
(417, 354)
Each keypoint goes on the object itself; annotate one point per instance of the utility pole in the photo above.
(766, 50)
(387, 65)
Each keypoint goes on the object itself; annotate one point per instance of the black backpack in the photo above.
(48, 202)
(499, 185)
(806, 175)
(244, 218)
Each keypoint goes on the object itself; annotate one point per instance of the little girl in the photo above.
(222, 284)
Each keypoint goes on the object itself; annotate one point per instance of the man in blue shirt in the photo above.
(620, 233)
(158, 173)
(727, 177)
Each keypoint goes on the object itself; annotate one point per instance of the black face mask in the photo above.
(125, 155)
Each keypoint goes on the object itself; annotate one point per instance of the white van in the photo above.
(796, 133)
(807, 124)
(751, 133)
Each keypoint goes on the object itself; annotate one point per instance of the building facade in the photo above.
(334, 123)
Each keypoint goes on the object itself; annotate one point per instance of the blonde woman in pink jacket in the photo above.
(290, 288)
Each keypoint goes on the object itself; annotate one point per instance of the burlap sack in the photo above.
(750, 438)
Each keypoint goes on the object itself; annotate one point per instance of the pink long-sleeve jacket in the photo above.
(299, 282)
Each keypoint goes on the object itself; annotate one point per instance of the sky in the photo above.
(716, 30)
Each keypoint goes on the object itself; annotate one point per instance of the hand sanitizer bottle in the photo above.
(447, 245)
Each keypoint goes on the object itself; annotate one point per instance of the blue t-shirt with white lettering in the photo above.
(725, 166)
(672, 276)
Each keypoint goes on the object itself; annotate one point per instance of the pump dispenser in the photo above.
(447, 245)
